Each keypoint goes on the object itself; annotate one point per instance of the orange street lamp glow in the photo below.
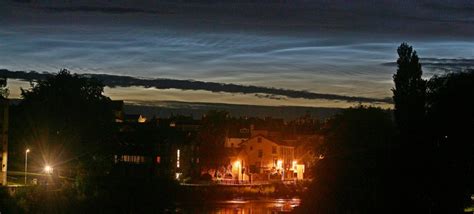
(279, 164)
(237, 164)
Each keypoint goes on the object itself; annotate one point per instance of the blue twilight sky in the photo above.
(333, 47)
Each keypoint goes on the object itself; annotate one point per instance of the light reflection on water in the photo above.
(241, 206)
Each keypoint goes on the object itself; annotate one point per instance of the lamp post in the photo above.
(280, 167)
(240, 171)
(237, 165)
(26, 163)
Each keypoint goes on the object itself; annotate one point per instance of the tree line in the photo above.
(417, 158)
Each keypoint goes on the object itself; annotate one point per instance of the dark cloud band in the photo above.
(128, 81)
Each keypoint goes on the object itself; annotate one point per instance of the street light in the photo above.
(48, 169)
(26, 163)
(280, 166)
(237, 165)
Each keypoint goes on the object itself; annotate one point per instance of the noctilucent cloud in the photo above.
(336, 47)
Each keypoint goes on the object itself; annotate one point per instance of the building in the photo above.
(236, 137)
(156, 148)
(262, 158)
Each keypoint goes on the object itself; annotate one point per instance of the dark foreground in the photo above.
(151, 197)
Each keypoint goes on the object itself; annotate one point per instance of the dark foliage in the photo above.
(69, 124)
(425, 166)
(3, 89)
(357, 130)
(113, 196)
(409, 91)
(211, 138)
(450, 115)
(434, 119)
(349, 178)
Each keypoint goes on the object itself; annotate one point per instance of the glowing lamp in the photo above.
(237, 164)
(279, 164)
(48, 169)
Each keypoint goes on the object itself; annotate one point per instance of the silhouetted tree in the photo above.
(428, 169)
(434, 119)
(449, 107)
(358, 129)
(450, 116)
(349, 178)
(409, 92)
(68, 121)
(409, 97)
(3, 89)
(211, 138)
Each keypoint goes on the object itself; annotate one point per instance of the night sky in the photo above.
(331, 47)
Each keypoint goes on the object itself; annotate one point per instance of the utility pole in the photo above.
(26, 163)
(4, 139)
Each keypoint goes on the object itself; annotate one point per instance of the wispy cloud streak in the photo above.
(443, 64)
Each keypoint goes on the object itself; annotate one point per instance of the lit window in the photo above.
(158, 159)
(279, 164)
(132, 159)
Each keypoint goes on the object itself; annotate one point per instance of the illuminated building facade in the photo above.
(262, 158)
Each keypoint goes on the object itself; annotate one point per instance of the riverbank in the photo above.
(227, 192)
(143, 196)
